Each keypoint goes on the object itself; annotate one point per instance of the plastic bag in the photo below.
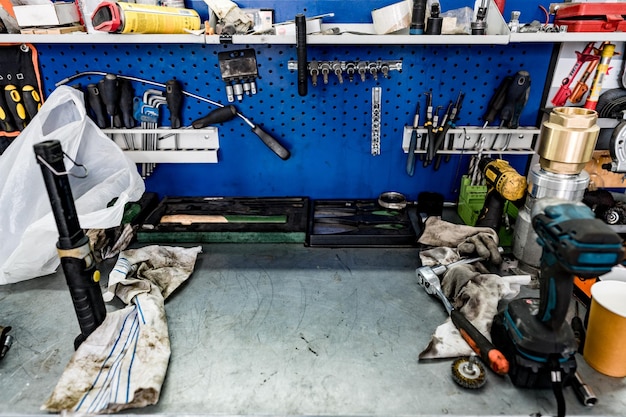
(27, 226)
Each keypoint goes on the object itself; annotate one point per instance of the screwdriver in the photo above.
(110, 95)
(516, 98)
(451, 123)
(16, 106)
(174, 97)
(126, 94)
(6, 121)
(32, 100)
(95, 104)
(497, 101)
(427, 125)
(265, 137)
(410, 162)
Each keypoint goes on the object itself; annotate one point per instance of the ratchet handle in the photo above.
(271, 143)
(480, 344)
(223, 114)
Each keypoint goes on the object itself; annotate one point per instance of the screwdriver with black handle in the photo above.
(225, 113)
(16, 107)
(125, 105)
(6, 120)
(410, 162)
(427, 125)
(516, 98)
(32, 100)
(96, 106)
(110, 95)
(174, 98)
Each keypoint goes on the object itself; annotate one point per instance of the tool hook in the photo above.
(58, 174)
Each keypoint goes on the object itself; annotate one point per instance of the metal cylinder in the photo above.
(567, 140)
(543, 186)
(542, 183)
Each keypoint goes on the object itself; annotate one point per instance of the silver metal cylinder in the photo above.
(543, 186)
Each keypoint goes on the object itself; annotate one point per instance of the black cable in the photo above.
(557, 384)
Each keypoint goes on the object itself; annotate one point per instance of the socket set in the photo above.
(239, 73)
(340, 70)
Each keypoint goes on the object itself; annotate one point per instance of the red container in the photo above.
(592, 17)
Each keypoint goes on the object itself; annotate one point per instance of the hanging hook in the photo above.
(58, 174)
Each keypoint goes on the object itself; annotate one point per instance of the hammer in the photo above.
(428, 278)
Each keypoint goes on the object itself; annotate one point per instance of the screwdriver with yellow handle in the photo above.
(6, 120)
(32, 100)
(16, 106)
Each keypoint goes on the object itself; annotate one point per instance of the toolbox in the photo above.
(226, 219)
(592, 17)
(358, 223)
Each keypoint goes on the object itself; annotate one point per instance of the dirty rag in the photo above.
(469, 240)
(476, 294)
(123, 363)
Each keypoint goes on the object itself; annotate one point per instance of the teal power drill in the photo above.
(532, 333)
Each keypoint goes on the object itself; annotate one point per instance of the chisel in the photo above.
(188, 219)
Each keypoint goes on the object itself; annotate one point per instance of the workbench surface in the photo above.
(270, 329)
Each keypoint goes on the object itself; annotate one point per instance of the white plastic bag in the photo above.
(28, 232)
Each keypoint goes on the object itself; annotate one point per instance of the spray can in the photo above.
(143, 18)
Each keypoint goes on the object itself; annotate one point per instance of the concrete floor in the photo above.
(266, 329)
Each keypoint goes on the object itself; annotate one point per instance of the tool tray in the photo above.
(273, 219)
(358, 223)
(592, 17)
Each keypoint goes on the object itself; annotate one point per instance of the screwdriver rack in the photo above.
(351, 69)
(184, 145)
(470, 140)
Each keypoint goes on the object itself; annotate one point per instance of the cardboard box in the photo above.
(50, 14)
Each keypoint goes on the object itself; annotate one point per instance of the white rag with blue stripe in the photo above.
(123, 363)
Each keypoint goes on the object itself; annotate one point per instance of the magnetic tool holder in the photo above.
(326, 70)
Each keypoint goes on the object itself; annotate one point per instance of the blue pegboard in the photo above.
(328, 131)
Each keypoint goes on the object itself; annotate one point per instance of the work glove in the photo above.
(469, 240)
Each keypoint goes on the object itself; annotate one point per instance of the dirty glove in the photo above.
(482, 241)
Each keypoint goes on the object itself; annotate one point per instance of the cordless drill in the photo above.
(504, 184)
(532, 333)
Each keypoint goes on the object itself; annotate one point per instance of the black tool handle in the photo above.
(174, 98)
(32, 100)
(6, 120)
(555, 291)
(491, 356)
(16, 106)
(96, 105)
(126, 103)
(418, 17)
(271, 143)
(220, 115)
(301, 51)
(497, 100)
(410, 162)
(516, 93)
(110, 93)
(77, 258)
(491, 213)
